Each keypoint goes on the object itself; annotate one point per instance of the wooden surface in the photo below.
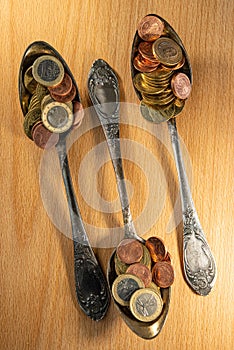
(38, 306)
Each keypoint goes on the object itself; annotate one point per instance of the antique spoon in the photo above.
(198, 261)
(104, 93)
(91, 286)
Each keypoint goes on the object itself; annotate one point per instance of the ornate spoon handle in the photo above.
(91, 286)
(199, 263)
(104, 92)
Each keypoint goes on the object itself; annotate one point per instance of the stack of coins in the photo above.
(52, 108)
(159, 76)
(142, 270)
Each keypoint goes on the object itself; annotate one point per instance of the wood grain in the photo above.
(38, 305)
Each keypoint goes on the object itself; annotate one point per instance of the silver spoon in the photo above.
(91, 286)
(104, 93)
(199, 263)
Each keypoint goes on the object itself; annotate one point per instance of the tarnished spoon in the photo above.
(104, 93)
(199, 263)
(91, 286)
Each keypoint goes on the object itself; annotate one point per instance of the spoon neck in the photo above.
(78, 230)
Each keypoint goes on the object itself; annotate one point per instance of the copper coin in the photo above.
(66, 98)
(42, 137)
(63, 88)
(163, 274)
(142, 272)
(144, 65)
(150, 28)
(130, 251)
(181, 85)
(78, 114)
(157, 248)
(167, 257)
(145, 49)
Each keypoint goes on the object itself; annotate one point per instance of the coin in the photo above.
(34, 102)
(57, 117)
(155, 288)
(124, 286)
(167, 51)
(146, 305)
(48, 70)
(42, 137)
(150, 28)
(64, 87)
(65, 98)
(120, 267)
(140, 271)
(31, 118)
(163, 274)
(151, 114)
(167, 257)
(29, 82)
(130, 251)
(41, 91)
(145, 49)
(156, 247)
(181, 85)
(146, 259)
(144, 65)
(45, 101)
(78, 114)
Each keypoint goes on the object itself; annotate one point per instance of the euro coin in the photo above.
(120, 267)
(42, 137)
(130, 251)
(142, 272)
(48, 70)
(146, 305)
(29, 82)
(146, 259)
(156, 248)
(150, 28)
(124, 286)
(64, 87)
(31, 118)
(181, 85)
(64, 98)
(167, 51)
(163, 274)
(57, 117)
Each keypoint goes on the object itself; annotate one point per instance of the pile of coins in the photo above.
(52, 107)
(160, 80)
(142, 270)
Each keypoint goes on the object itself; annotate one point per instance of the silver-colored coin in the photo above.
(146, 305)
(124, 286)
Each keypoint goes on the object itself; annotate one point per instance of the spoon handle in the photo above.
(199, 263)
(104, 93)
(91, 287)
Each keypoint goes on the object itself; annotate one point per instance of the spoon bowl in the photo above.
(90, 283)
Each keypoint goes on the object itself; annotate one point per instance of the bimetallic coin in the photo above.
(31, 118)
(156, 248)
(65, 98)
(142, 272)
(163, 274)
(150, 28)
(29, 82)
(130, 251)
(124, 286)
(167, 51)
(146, 305)
(42, 137)
(57, 117)
(64, 87)
(181, 85)
(151, 113)
(48, 70)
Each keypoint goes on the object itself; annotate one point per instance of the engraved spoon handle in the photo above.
(91, 286)
(104, 93)
(199, 263)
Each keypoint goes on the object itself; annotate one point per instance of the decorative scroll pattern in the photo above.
(199, 264)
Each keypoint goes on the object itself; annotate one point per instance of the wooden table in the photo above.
(38, 305)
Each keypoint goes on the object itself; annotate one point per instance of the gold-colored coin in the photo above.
(34, 102)
(31, 118)
(165, 99)
(155, 288)
(124, 286)
(120, 267)
(48, 70)
(41, 92)
(159, 74)
(179, 103)
(29, 82)
(48, 99)
(151, 113)
(146, 259)
(167, 51)
(146, 305)
(57, 117)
